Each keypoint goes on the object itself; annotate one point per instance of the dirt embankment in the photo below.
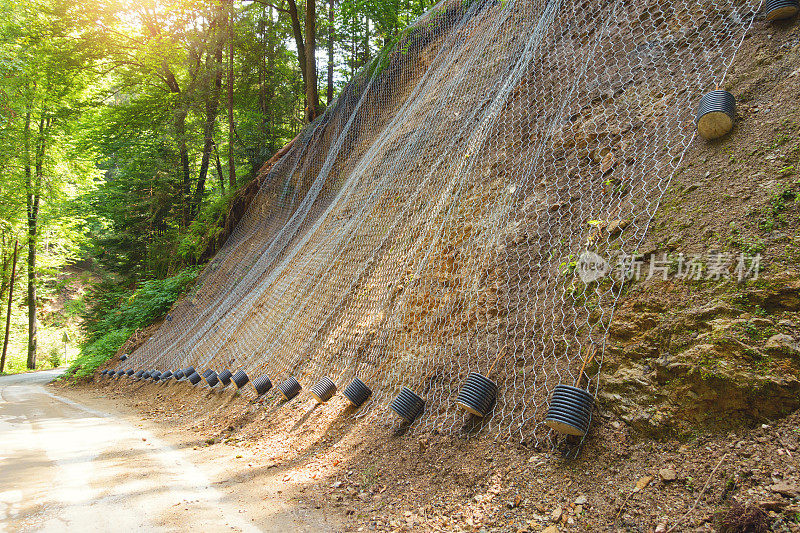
(376, 479)
(697, 378)
(687, 353)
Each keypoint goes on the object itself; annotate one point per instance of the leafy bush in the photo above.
(116, 314)
(98, 352)
(205, 228)
(142, 307)
(54, 358)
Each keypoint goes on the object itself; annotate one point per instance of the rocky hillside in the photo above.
(687, 354)
(696, 421)
(431, 223)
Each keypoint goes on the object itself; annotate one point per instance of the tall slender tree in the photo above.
(33, 198)
(231, 125)
(312, 95)
(10, 303)
(214, 70)
(305, 37)
(331, 50)
(4, 269)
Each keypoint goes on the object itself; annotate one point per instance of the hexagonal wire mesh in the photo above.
(428, 224)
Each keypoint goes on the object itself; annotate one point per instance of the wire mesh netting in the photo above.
(431, 222)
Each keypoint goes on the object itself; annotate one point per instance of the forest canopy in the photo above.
(127, 127)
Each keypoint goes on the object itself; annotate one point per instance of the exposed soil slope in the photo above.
(698, 374)
(688, 353)
(427, 225)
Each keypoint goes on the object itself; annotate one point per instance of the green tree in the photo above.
(44, 88)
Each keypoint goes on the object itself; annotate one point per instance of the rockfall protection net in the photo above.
(429, 224)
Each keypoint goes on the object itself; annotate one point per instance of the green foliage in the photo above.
(124, 110)
(567, 267)
(784, 199)
(117, 310)
(98, 352)
(54, 357)
(204, 230)
(115, 315)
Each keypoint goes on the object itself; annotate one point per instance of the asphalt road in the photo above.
(68, 467)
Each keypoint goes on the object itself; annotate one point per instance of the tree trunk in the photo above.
(365, 57)
(306, 49)
(212, 107)
(4, 273)
(263, 72)
(10, 301)
(269, 111)
(33, 303)
(28, 183)
(231, 130)
(297, 31)
(219, 170)
(33, 186)
(266, 89)
(353, 56)
(312, 96)
(180, 132)
(331, 39)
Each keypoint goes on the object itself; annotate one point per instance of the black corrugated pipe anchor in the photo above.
(716, 114)
(178, 375)
(570, 410)
(207, 372)
(782, 9)
(240, 378)
(129, 372)
(123, 358)
(289, 388)
(166, 375)
(323, 390)
(139, 374)
(408, 405)
(225, 377)
(357, 392)
(478, 394)
(194, 378)
(212, 379)
(262, 385)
